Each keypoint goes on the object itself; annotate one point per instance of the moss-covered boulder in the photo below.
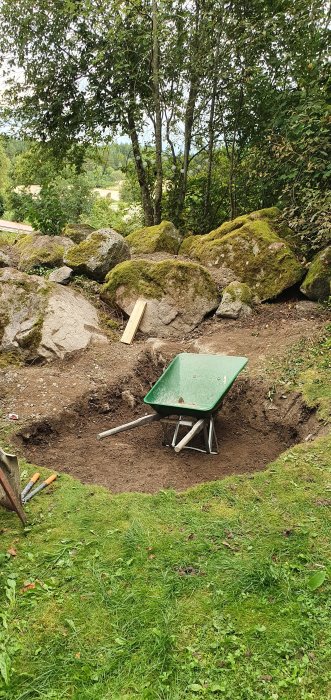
(40, 319)
(77, 232)
(317, 283)
(252, 250)
(37, 250)
(178, 294)
(152, 239)
(99, 253)
(237, 301)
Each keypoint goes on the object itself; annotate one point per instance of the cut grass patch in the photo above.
(175, 596)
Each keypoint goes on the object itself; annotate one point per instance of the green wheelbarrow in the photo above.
(191, 390)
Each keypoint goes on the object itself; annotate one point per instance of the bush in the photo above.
(20, 203)
(62, 201)
(107, 214)
(46, 212)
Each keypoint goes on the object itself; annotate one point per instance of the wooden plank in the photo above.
(134, 321)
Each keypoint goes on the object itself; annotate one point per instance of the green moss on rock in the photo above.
(252, 250)
(154, 280)
(239, 291)
(178, 294)
(77, 232)
(317, 283)
(23, 300)
(99, 253)
(79, 255)
(151, 239)
(192, 244)
(37, 250)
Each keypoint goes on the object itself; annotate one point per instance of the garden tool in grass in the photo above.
(10, 485)
(188, 396)
(29, 485)
(28, 494)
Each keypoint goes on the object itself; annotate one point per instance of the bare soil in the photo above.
(252, 430)
(63, 405)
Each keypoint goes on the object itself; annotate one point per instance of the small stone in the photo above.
(61, 275)
(128, 398)
(236, 301)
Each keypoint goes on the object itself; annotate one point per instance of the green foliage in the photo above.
(4, 167)
(60, 201)
(105, 213)
(2, 204)
(244, 107)
(20, 204)
(46, 213)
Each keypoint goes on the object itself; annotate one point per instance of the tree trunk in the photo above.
(189, 116)
(158, 116)
(145, 194)
(234, 158)
(188, 124)
(211, 132)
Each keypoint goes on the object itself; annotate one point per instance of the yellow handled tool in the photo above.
(40, 488)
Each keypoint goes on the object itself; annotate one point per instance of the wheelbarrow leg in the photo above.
(212, 438)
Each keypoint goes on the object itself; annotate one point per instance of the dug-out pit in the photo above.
(252, 430)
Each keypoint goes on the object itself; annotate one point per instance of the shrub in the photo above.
(107, 214)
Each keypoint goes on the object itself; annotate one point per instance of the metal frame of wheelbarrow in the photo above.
(205, 379)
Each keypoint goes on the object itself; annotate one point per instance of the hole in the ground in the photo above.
(291, 294)
(253, 428)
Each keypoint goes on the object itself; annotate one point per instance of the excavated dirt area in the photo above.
(252, 428)
(63, 405)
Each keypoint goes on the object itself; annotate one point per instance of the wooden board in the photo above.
(134, 321)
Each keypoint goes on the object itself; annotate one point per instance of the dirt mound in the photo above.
(253, 428)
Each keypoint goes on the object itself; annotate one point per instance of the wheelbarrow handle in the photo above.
(144, 420)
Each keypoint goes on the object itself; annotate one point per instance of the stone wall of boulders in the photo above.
(228, 271)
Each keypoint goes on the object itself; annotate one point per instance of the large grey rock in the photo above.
(99, 253)
(178, 294)
(36, 250)
(237, 301)
(61, 275)
(251, 249)
(40, 319)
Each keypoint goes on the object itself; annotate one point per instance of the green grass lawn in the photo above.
(221, 591)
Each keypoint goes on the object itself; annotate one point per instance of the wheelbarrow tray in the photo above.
(194, 384)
